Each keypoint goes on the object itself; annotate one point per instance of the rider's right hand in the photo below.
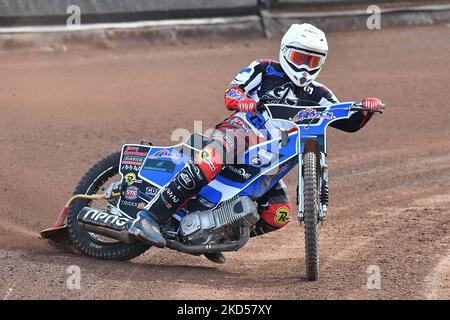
(247, 105)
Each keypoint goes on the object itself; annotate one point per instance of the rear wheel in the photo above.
(311, 214)
(99, 177)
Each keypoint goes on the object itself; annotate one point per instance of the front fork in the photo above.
(300, 204)
(323, 188)
(324, 194)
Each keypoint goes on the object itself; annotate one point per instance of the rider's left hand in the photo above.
(247, 105)
(372, 104)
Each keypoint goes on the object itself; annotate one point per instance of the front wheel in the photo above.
(311, 214)
(99, 177)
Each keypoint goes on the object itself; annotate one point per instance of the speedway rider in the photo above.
(302, 54)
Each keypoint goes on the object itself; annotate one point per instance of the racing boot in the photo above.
(216, 257)
(146, 229)
(174, 195)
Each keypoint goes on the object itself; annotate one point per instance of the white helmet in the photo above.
(302, 53)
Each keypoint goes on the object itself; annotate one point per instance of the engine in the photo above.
(219, 224)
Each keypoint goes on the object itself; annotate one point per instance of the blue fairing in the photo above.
(313, 125)
(162, 163)
(267, 174)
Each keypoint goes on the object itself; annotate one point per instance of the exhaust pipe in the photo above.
(122, 236)
(212, 248)
(116, 227)
(106, 224)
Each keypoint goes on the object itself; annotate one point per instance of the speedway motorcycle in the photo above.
(220, 217)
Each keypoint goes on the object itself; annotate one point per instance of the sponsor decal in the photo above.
(234, 94)
(151, 191)
(130, 178)
(129, 167)
(266, 181)
(132, 148)
(285, 164)
(105, 219)
(159, 165)
(239, 171)
(309, 89)
(131, 193)
(141, 206)
(265, 154)
(238, 123)
(271, 71)
(206, 156)
(195, 171)
(135, 153)
(256, 161)
(206, 203)
(229, 142)
(167, 154)
(128, 203)
(282, 216)
(171, 195)
(246, 70)
(285, 92)
(224, 139)
(132, 163)
(186, 179)
(130, 159)
(166, 203)
(309, 114)
(256, 120)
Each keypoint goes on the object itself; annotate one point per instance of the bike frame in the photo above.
(308, 122)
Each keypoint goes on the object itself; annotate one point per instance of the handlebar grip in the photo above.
(359, 107)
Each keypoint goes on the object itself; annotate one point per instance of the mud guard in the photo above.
(312, 145)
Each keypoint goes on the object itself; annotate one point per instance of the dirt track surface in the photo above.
(390, 182)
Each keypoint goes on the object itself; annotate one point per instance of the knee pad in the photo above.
(277, 214)
(209, 161)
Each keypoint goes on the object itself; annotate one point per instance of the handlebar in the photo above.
(261, 105)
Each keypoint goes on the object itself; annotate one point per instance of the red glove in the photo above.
(372, 104)
(247, 105)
